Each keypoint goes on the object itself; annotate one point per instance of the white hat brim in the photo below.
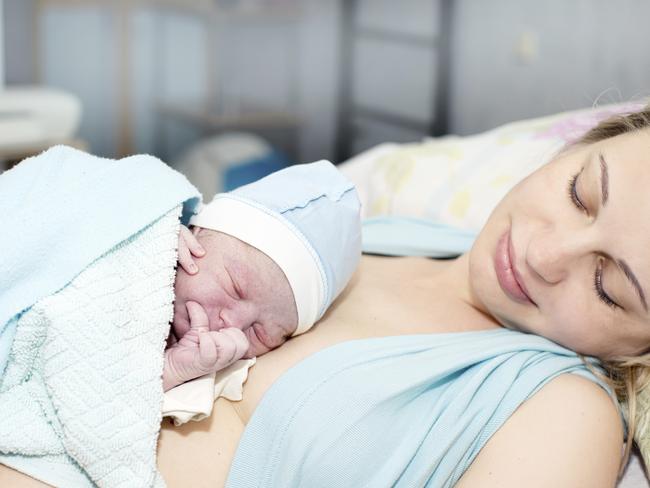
(279, 239)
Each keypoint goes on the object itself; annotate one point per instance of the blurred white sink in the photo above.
(37, 117)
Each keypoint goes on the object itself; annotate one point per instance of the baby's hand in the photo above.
(201, 351)
(188, 246)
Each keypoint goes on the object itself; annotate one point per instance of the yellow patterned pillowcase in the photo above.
(458, 180)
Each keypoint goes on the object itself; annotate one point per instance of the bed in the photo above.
(452, 180)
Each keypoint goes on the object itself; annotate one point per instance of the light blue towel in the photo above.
(406, 236)
(61, 210)
(81, 393)
(400, 411)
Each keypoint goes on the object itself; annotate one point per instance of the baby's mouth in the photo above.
(217, 324)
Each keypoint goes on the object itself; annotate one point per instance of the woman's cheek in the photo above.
(571, 326)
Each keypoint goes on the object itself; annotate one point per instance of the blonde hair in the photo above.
(626, 375)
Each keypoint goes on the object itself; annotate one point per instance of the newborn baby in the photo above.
(245, 293)
(277, 253)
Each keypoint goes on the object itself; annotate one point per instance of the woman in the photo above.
(576, 279)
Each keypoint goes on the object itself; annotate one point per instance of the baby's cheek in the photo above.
(283, 339)
(180, 328)
(180, 324)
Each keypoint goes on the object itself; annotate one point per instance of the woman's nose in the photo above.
(552, 252)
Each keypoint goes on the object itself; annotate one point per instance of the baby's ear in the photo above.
(195, 230)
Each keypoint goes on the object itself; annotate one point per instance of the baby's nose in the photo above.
(240, 315)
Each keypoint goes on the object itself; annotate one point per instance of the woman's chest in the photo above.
(380, 301)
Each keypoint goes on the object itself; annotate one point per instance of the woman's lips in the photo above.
(507, 275)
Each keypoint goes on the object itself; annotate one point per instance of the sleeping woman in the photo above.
(476, 371)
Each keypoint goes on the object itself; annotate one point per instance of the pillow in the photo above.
(458, 180)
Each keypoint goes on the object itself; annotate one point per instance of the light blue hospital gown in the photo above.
(405, 411)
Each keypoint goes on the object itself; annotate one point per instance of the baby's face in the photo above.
(238, 286)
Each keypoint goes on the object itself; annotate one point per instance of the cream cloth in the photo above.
(194, 399)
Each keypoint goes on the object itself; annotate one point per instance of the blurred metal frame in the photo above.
(213, 14)
(207, 117)
(348, 110)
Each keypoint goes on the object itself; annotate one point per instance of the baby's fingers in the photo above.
(199, 320)
(219, 349)
(208, 353)
(185, 259)
(192, 242)
(239, 342)
(188, 247)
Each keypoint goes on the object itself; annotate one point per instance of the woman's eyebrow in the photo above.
(627, 271)
(604, 179)
(635, 282)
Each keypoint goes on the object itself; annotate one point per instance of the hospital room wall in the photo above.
(508, 60)
(2, 47)
(515, 59)
(18, 41)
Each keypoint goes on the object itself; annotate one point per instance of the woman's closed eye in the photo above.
(573, 193)
(598, 274)
(598, 286)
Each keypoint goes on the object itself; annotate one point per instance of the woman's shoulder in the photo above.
(567, 434)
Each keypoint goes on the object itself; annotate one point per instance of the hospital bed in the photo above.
(458, 180)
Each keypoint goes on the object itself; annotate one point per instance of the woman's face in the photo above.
(566, 253)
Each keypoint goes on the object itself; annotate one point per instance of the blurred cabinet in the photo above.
(156, 75)
(247, 75)
(393, 80)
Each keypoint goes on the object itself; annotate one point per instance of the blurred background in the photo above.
(239, 88)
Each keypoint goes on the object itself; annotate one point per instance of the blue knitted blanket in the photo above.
(87, 290)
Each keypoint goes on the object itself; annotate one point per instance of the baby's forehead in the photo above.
(249, 267)
(262, 281)
(229, 246)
